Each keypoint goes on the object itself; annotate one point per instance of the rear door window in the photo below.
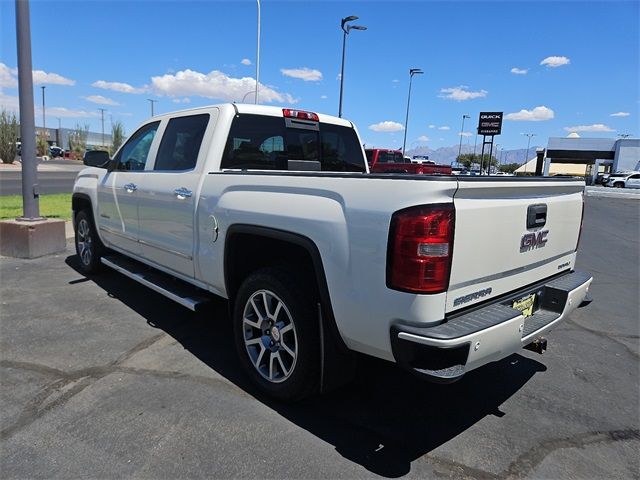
(181, 143)
(258, 142)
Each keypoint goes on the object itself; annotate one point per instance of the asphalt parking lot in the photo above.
(102, 378)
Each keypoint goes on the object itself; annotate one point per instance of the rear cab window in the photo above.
(260, 142)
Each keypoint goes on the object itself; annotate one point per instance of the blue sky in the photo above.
(552, 67)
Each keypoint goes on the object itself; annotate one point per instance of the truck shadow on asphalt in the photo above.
(384, 420)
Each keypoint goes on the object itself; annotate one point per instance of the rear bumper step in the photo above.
(172, 288)
(446, 351)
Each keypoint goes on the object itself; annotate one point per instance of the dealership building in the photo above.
(574, 155)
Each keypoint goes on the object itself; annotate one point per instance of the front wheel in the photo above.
(618, 185)
(88, 245)
(277, 335)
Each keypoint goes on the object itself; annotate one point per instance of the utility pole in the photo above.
(346, 29)
(461, 132)
(30, 193)
(526, 155)
(102, 110)
(258, 55)
(152, 102)
(44, 122)
(412, 72)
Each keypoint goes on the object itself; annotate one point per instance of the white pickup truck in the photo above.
(275, 210)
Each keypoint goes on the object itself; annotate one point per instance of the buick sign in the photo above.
(490, 123)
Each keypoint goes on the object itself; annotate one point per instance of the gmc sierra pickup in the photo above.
(275, 210)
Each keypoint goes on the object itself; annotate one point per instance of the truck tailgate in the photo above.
(510, 233)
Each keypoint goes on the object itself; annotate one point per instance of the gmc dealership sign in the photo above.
(490, 123)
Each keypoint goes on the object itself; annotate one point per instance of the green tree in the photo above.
(117, 135)
(78, 140)
(467, 159)
(41, 144)
(8, 136)
(510, 167)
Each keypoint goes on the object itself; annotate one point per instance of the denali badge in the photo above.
(471, 296)
(531, 241)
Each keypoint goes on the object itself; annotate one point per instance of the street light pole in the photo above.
(30, 194)
(412, 72)
(102, 119)
(346, 29)
(526, 154)
(461, 132)
(258, 55)
(152, 102)
(44, 122)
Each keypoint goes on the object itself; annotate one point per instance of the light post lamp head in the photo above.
(415, 71)
(350, 18)
(465, 116)
(355, 27)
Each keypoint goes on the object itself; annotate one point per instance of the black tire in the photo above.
(265, 341)
(618, 185)
(88, 245)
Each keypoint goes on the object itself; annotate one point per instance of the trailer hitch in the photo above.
(539, 345)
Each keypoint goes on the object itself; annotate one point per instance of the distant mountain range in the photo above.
(446, 155)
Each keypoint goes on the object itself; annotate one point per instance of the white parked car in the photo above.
(275, 210)
(624, 180)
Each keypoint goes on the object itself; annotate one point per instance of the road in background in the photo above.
(54, 176)
(104, 378)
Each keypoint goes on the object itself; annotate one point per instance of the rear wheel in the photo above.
(277, 335)
(88, 246)
(618, 185)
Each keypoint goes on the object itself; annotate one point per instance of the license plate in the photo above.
(525, 305)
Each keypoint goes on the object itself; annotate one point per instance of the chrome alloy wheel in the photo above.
(269, 336)
(85, 246)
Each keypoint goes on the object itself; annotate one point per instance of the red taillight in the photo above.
(420, 249)
(301, 114)
(581, 222)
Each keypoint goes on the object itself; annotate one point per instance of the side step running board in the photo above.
(164, 284)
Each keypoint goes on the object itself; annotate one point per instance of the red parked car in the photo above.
(391, 161)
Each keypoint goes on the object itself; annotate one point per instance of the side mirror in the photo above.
(96, 158)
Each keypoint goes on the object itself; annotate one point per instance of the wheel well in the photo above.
(248, 252)
(79, 203)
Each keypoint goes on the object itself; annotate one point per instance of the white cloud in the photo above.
(40, 78)
(215, 85)
(444, 127)
(423, 138)
(538, 114)
(432, 126)
(9, 102)
(68, 113)
(245, 61)
(554, 62)
(8, 76)
(461, 93)
(596, 127)
(395, 80)
(323, 97)
(304, 73)
(465, 134)
(100, 100)
(386, 126)
(181, 100)
(118, 87)
(620, 114)
(519, 71)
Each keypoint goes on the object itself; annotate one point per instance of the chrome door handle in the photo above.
(130, 187)
(182, 193)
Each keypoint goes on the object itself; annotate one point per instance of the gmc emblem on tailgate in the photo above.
(531, 241)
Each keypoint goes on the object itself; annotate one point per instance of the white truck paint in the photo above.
(346, 217)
